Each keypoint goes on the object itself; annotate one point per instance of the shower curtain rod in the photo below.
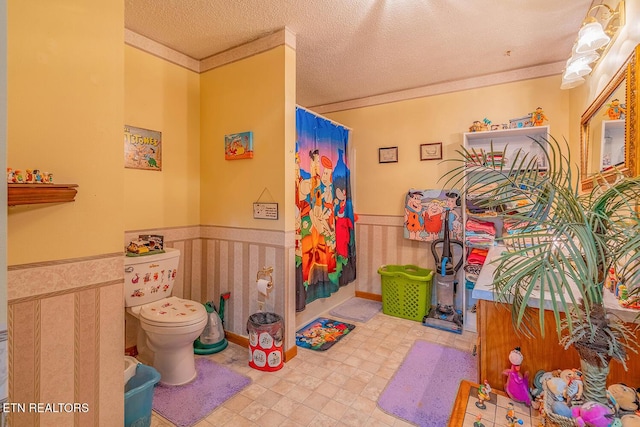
(326, 118)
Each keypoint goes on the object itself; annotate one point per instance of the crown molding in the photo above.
(281, 37)
(161, 51)
(446, 87)
(268, 42)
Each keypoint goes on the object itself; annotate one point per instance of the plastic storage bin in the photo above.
(265, 341)
(406, 291)
(138, 396)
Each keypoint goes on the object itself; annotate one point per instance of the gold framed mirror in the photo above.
(609, 128)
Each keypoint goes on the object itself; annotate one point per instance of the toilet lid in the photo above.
(173, 311)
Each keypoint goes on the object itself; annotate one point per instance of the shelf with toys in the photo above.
(496, 148)
(35, 187)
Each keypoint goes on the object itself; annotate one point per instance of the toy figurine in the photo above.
(512, 418)
(517, 385)
(538, 117)
(484, 394)
(615, 110)
(478, 126)
(573, 392)
(10, 175)
(478, 421)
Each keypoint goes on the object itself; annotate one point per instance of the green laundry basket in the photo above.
(406, 291)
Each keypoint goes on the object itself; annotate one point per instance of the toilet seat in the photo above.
(172, 312)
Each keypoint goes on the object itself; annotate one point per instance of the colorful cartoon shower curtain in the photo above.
(325, 233)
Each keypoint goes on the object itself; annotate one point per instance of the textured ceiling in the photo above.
(350, 49)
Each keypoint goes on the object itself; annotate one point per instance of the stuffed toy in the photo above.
(573, 392)
(538, 380)
(631, 420)
(556, 387)
(517, 385)
(593, 414)
(625, 397)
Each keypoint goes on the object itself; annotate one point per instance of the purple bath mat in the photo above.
(185, 405)
(424, 387)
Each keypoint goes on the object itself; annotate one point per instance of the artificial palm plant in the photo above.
(559, 247)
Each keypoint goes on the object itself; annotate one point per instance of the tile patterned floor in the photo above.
(335, 388)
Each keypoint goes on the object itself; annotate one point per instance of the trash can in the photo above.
(265, 341)
(138, 396)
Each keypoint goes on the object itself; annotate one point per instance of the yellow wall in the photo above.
(248, 95)
(381, 187)
(65, 115)
(164, 97)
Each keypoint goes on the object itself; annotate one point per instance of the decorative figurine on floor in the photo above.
(517, 385)
(484, 394)
(478, 421)
(512, 418)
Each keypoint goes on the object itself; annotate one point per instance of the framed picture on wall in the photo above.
(238, 146)
(142, 148)
(432, 151)
(388, 155)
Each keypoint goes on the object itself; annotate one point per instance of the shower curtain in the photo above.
(325, 233)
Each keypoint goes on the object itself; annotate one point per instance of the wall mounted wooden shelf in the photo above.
(28, 194)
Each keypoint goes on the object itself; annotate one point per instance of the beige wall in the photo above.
(65, 115)
(247, 95)
(380, 188)
(65, 108)
(161, 96)
(254, 94)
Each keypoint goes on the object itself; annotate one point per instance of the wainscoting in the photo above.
(65, 341)
(380, 241)
(215, 260)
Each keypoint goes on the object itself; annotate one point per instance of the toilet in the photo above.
(168, 325)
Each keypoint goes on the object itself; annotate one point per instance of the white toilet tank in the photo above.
(148, 278)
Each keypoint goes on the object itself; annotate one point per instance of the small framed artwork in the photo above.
(238, 146)
(432, 151)
(388, 155)
(142, 148)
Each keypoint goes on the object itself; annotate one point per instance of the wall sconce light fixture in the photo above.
(593, 38)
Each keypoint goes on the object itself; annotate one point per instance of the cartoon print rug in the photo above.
(322, 333)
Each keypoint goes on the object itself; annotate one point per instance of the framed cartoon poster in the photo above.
(238, 146)
(142, 148)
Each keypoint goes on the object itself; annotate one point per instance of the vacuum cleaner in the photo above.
(444, 315)
(212, 339)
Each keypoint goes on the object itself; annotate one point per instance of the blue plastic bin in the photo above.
(138, 396)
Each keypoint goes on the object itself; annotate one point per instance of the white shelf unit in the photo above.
(612, 150)
(513, 140)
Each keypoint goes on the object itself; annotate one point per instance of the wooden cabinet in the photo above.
(497, 337)
(27, 194)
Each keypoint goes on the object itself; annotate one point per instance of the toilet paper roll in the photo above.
(264, 286)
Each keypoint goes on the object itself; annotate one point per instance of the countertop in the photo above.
(483, 290)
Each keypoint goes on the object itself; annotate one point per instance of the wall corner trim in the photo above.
(161, 51)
